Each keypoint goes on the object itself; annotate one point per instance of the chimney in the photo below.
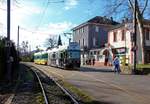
(123, 21)
(111, 18)
(126, 19)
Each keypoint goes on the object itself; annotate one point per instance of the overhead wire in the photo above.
(42, 14)
(45, 10)
(35, 31)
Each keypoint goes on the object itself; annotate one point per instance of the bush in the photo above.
(3, 59)
(143, 69)
(27, 58)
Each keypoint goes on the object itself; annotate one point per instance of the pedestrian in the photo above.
(106, 60)
(93, 61)
(86, 62)
(116, 64)
(89, 61)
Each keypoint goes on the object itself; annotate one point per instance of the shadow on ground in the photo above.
(6, 88)
(98, 102)
(85, 69)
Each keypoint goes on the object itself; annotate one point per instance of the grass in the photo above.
(29, 75)
(142, 66)
(81, 95)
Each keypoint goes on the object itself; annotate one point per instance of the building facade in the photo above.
(121, 39)
(92, 35)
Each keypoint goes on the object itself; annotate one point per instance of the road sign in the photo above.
(8, 44)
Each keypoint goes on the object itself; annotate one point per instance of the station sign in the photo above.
(73, 46)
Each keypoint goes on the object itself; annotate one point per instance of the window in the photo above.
(123, 35)
(115, 36)
(147, 34)
(91, 53)
(78, 31)
(97, 52)
(96, 28)
(83, 29)
(83, 42)
(94, 41)
(79, 42)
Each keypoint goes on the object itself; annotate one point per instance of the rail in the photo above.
(66, 92)
(42, 88)
(62, 88)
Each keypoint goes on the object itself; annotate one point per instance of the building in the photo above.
(121, 37)
(92, 35)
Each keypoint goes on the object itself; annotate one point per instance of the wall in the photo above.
(99, 36)
(80, 34)
(121, 43)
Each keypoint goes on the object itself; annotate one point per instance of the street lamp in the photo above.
(65, 34)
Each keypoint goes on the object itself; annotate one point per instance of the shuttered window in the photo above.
(123, 35)
(115, 36)
(147, 34)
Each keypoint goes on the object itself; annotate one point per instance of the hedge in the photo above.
(3, 59)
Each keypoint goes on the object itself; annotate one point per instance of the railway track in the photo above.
(67, 98)
(37, 88)
(135, 97)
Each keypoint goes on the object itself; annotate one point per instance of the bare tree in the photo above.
(51, 42)
(24, 46)
(126, 8)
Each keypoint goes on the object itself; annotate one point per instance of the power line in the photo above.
(43, 14)
(45, 9)
(61, 1)
(35, 31)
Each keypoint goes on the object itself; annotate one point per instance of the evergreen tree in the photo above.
(59, 41)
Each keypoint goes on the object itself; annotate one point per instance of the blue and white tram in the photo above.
(65, 56)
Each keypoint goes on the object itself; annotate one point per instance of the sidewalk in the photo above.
(96, 68)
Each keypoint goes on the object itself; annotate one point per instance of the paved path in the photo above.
(105, 86)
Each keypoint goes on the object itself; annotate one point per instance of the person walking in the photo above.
(89, 61)
(116, 64)
(93, 61)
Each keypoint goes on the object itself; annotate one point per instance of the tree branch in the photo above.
(131, 4)
(113, 7)
(146, 3)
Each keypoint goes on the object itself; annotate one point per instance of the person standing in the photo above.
(93, 61)
(116, 64)
(106, 60)
(89, 61)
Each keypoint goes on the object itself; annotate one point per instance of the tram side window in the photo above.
(35, 57)
(53, 56)
(45, 56)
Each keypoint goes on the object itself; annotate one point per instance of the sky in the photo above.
(41, 19)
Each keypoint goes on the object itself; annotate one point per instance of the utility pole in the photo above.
(135, 33)
(18, 39)
(8, 20)
(8, 43)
